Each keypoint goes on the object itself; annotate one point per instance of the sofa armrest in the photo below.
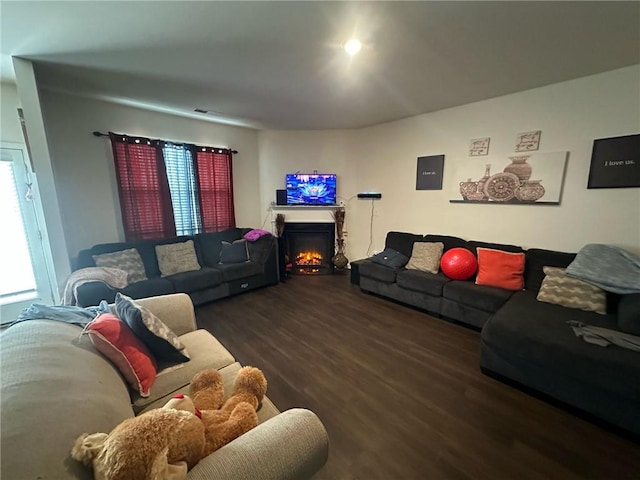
(292, 445)
(175, 310)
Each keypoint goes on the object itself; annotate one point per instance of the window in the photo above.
(169, 189)
(178, 162)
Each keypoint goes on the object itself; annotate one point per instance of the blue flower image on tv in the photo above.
(311, 189)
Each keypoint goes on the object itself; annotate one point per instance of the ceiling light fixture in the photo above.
(353, 46)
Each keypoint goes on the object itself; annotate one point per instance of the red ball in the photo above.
(458, 264)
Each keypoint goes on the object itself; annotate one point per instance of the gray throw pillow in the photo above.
(128, 260)
(235, 252)
(155, 334)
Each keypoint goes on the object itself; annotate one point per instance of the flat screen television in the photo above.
(311, 188)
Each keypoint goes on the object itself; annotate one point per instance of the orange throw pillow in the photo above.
(116, 341)
(500, 269)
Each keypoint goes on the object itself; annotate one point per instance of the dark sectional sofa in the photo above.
(522, 339)
(211, 282)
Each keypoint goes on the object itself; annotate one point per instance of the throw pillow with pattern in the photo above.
(560, 289)
(426, 257)
(128, 260)
(177, 258)
(154, 333)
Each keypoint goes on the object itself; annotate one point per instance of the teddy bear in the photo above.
(163, 443)
(226, 421)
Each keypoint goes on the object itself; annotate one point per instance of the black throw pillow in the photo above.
(163, 343)
(235, 252)
(390, 258)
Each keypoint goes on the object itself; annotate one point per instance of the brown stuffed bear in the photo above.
(164, 443)
(160, 444)
(226, 422)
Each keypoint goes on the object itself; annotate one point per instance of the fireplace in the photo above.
(309, 247)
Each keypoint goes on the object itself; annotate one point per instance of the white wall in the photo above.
(570, 114)
(83, 164)
(282, 152)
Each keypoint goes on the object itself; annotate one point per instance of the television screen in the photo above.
(311, 189)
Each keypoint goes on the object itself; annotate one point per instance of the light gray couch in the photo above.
(56, 386)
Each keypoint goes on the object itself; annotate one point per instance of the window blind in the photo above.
(178, 162)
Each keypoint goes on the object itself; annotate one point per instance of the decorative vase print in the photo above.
(468, 188)
(501, 187)
(519, 167)
(530, 191)
(482, 181)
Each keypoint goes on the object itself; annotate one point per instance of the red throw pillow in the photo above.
(500, 269)
(116, 341)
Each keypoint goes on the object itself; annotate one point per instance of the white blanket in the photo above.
(113, 277)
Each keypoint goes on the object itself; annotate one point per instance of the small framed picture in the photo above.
(429, 173)
(615, 162)
(528, 141)
(479, 147)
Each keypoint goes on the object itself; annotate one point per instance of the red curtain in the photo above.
(145, 199)
(215, 182)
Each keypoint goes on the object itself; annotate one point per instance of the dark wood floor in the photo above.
(401, 393)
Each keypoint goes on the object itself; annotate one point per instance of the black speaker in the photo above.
(281, 197)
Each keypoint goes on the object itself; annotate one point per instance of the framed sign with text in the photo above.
(615, 162)
(429, 173)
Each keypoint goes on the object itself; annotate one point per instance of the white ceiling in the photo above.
(279, 65)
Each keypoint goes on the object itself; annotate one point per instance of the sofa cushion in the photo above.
(390, 258)
(82, 392)
(401, 242)
(536, 258)
(236, 271)
(235, 252)
(229, 373)
(500, 269)
(128, 260)
(188, 282)
(260, 249)
(149, 288)
(378, 272)
(160, 339)
(448, 241)
(526, 330)
(474, 244)
(425, 256)
(177, 258)
(210, 244)
(561, 289)
(629, 313)
(422, 281)
(206, 352)
(117, 342)
(486, 298)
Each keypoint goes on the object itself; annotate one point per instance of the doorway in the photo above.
(24, 272)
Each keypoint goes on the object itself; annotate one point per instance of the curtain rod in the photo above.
(100, 134)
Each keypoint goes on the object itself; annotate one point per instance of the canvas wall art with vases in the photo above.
(531, 178)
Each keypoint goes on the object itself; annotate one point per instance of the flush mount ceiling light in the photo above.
(353, 46)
